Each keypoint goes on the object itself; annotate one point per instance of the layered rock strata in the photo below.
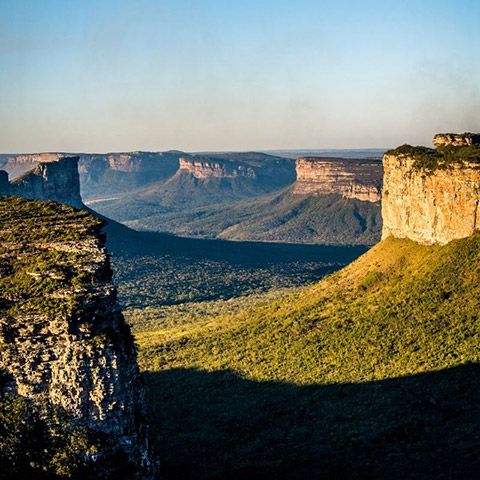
(359, 179)
(56, 180)
(204, 168)
(428, 198)
(63, 339)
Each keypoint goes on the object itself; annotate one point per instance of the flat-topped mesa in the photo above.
(56, 180)
(456, 139)
(17, 165)
(350, 178)
(212, 168)
(431, 195)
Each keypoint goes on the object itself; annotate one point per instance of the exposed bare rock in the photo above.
(430, 198)
(204, 168)
(56, 180)
(63, 339)
(351, 178)
(456, 139)
(17, 165)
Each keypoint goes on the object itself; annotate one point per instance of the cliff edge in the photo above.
(64, 343)
(56, 180)
(432, 195)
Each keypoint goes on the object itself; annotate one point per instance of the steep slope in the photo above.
(58, 181)
(65, 347)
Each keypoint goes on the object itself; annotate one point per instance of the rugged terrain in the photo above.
(235, 196)
(333, 201)
(66, 349)
(56, 180)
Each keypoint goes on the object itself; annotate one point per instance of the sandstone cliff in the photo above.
(63, 340)
(17, 165)
(56, 180)
(350, 178)
(431, 196)
(456, 139)
(206, 168)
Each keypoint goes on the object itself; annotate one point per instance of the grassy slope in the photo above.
(299, 386)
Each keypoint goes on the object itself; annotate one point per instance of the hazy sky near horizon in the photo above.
(113, 75)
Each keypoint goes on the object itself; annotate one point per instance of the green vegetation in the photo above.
(32, 446)
(37, 258)
(281, 217)
(430, 159)
(153, 269)
(371, 373)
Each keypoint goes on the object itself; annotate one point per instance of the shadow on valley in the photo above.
(217, 425)
(157, 269)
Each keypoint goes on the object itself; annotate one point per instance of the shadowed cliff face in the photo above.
(350, 178)
(63, 340)
(56, 180)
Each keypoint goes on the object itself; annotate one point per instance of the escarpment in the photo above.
(432, 195)
(350, 178)
(17, 165)
(64, 344)
(56, 180)
(206, 168)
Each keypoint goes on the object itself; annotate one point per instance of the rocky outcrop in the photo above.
(56, 180)
(456, 139)
(430, 197)
(350, 178)
(63, 339)
(206, 168)
(17, 165)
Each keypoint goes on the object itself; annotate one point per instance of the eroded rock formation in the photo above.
(55, 180)
(456, 139)
(360, 179)
(63, 339)
(429, 197)
(205, 168)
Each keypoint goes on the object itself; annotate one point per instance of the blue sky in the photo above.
(112, 75)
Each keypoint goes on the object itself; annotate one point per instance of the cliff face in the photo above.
(430, 198)
(456, 139)
(63, 339)
(359, 179)
(205, 168)
(102, 174)
(17, 165)
(56, 180)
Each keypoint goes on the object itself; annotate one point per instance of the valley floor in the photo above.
(372, 373)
